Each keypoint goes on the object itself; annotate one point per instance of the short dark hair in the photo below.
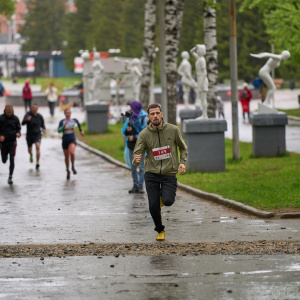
(153, 105)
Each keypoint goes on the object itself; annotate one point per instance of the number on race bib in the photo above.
(161, 153)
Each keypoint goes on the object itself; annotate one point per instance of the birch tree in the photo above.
(210, 40)
(173, 21)
(149, 46)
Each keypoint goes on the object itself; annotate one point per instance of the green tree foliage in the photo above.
(79, 27)
(45, 25)
(133, 29)
(282, 20)
(98, 23)
(251, 37)
(7, 7)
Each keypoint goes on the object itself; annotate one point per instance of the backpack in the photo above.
(2, 90)
(244, 94)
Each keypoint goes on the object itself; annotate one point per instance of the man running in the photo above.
(67, 126)
(160, 140)
(10, 130)
(35, 123)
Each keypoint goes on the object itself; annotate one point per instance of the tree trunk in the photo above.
(210, 40)
(173, 20)
(149, 46)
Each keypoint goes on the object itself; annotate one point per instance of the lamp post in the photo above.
(34, 54)
(233, 77)
(85, 56)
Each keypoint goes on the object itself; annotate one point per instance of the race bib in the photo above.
(161, 153)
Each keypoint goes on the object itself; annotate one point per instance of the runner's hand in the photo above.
(2, 138)
(29, 118)
(182, 167)
(18, 134)
(138, 158)
(82, 133)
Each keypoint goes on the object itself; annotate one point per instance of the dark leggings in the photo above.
(9, 148)
(160, 186)
(51, 107)
(27, 103)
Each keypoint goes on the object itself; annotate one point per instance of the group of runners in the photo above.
(10, 130)
(159, 140)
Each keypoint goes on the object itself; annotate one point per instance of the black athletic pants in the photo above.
(160, 186)
(9, 148)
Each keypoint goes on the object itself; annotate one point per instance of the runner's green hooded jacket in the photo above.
(151, 138)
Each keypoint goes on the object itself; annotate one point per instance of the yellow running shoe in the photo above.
(161, 236)
(161, 203)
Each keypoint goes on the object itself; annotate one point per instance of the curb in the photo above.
(290, 215)
(293, 121)
(206, 196)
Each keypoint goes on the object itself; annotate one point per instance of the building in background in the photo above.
(12, 60)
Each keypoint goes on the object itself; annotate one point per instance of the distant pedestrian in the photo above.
(35, 123)
(67, 127)
(220, 107)
(245, 96)
(27, 95)
(52, 97)
(10, 130)
(134, 124)
(2, 89)
(263, 90)
(161, 141)
(81, 91)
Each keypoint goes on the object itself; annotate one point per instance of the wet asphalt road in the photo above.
(42, 207)
(94, 206)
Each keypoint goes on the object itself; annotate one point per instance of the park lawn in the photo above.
(292, 112)
(68, 82)
(263, 183)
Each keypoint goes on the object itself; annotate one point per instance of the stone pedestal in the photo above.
(268, 131)
(97, 120)
(186, 114)
(206, 145)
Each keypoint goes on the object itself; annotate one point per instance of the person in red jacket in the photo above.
(27, 95)
(245, 96)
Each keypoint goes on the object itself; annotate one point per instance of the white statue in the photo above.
(202, 81)
(264, 73)
(187, 81)
(98, 71)
(136, 75)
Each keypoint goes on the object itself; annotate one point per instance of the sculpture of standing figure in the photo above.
(98, 71)
(202, 81)
(187, 81)
(264, 73)
(135, 77)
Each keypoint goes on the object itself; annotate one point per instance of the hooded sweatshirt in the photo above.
(27, 95)
(9, 127)
(152, 138)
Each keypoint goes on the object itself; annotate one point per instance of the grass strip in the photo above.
(291, 112)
